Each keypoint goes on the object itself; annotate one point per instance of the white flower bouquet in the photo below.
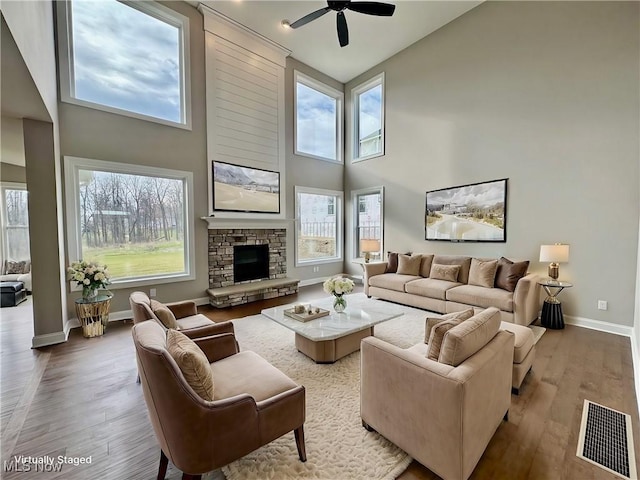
(338, 286)
(90, 276)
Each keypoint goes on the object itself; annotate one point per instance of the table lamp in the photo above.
(557, 253)
(368, 246)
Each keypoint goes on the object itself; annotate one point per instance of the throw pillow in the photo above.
(469, 337)
(392, 262)
(165, 315)
(482, 272)
(444, 272)
(192, 362)
(433, 321)
(436, 337)
(12, 267)
(409, 265)
(425, 265)
(509, 273)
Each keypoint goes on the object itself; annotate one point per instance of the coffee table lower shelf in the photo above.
(328, 351)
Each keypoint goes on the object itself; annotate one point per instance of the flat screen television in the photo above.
(244, 189)
(468, 213)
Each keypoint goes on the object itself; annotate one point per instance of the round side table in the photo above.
(552, 308)
(93, 314)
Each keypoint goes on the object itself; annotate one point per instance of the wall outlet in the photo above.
(602, 305)
(316, 269)
(152, 292)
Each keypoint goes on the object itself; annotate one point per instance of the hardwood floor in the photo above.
(80, 399)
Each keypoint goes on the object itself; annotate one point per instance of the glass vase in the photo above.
(89, 292)
(339, 303)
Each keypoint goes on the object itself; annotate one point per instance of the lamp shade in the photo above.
(558, 253)
(370, 245)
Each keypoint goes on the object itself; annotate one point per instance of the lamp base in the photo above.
(554, 270)
(367, 257)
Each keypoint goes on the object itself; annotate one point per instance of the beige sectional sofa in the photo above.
(422, 289)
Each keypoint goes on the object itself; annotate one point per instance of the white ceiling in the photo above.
(371, 39)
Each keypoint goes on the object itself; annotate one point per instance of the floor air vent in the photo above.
(606, 440)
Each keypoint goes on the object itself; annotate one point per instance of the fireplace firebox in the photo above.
(250, 262)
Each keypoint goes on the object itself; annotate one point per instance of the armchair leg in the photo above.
(186, 476)
(506, 416)
(367, 427)
(299, 434)
(162, 470)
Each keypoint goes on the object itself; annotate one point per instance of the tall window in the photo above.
(129, 58)
(15, 222)
(318, 125)
(369, 217)
(368, 119)
(136, 220)
(319, 225)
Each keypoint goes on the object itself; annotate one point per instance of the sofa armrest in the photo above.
(182, 309)
(526, 300)
(370, 270)
(217, 347)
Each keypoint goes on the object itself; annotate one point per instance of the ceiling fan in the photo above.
(370, 8)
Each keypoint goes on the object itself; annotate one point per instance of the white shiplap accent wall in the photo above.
(245, 100)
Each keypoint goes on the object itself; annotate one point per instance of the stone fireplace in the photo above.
(237, 270)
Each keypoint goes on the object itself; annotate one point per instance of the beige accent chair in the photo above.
(442, 415)
(254, 403)
(191, 323)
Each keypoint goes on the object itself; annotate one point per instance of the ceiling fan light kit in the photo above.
(369, 8)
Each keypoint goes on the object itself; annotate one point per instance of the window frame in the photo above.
(153, 9)
(72, 209)
(299, 77)
(4, 237)
(355, 100)
(355, 201)
(339, 213)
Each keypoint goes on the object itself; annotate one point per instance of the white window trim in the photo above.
(355, 203)
(4, 240)
(339, 225)
(66, 66)
(72, 208)
(355, 99)
(299, 77)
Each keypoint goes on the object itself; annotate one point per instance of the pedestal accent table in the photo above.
(93, 314)
(552, 308)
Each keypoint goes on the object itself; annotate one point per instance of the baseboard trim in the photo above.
(311, 281)
(47, 339)
(599, 325)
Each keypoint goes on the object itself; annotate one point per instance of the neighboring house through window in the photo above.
(318, 119)
(129, 58)
(319, 233)
(136, 220)
(368, 119)
(369, 222)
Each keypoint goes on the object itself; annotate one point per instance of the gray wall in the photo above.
(306, 172)
(12, 173)
(544, 93)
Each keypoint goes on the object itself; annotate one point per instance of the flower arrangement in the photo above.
(337, 287)
(90, 276)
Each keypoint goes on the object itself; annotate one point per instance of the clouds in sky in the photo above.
(370, 109)
(484, 195)
(126, 59)
(316, 122)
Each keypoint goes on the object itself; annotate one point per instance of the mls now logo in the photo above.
(17, 466)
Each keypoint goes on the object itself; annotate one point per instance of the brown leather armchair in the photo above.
(254, 403)
(192, 323)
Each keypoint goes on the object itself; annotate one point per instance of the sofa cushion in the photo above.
(433, 321)
(436, 337)
(194, 321)
(481, 297)
(391, 281)
(468, 337)
(444, 272)
(523, 341)
(425, 265)
(392, 262)
(482, 272)
(463, 261)
(428, 287)
(409, 264)
(509, 273)
(165, 315)
(192, 362)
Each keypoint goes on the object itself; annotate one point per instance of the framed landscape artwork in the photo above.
(245, 189)
(468, 213)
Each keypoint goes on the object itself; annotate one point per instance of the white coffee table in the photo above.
(336, 335)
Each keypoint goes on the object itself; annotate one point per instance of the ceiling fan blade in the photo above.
(343, 30)
(308, 18)
(372, 8)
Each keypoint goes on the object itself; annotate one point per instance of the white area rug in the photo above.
(338, 447)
